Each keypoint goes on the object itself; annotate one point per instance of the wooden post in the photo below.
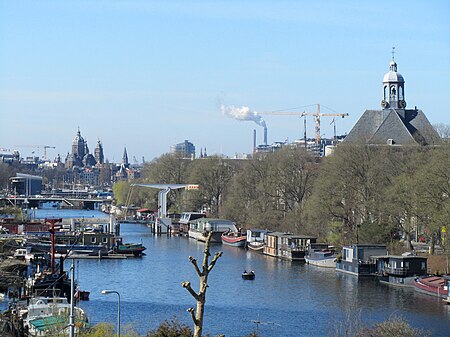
(200, 297)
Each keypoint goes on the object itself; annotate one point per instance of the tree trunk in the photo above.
(198, 324)
(432, 243)
(197, 315)
(408, 241)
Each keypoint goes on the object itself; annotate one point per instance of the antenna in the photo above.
(258, 322)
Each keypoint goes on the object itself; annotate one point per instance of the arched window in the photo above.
(393, 93)
(400, 93)
(385, 93)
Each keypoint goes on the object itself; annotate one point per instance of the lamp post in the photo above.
(105, 292)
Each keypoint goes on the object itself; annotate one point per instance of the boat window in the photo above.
(93, 239)
(105, 240)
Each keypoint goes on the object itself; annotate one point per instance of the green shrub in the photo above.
(171, 329)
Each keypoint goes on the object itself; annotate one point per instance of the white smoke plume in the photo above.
(242, 114)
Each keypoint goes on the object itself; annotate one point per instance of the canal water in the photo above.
(289, 298)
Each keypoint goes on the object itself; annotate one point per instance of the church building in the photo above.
(394, 124)
(80, 156)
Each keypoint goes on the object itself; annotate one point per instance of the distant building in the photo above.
(185, 149)
(393, 125)
(80, 156)
(125, 172)
(8, 157)
(26, 184)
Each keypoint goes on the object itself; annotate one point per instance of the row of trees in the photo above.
(360, 193)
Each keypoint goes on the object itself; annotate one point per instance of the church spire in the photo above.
(393, 65)
(125, 157)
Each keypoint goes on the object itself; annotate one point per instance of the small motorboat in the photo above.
(236, 238)
(248, 275)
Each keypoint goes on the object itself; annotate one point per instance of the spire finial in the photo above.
(393, 53)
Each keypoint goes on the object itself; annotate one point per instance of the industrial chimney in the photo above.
(254, 140)
(265, 135)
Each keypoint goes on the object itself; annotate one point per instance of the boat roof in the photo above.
(43, 324)
(291, 235)
(400, 257)
(214, 220)
(365, 245)
(433, 280)
(259, 230)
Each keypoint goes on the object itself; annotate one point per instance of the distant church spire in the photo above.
(125, 157)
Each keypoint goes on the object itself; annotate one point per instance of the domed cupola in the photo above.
(393, 87)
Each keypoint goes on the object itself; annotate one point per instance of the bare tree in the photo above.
(200, 297)
(443, 130)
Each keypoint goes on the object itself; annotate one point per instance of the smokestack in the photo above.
(265, 135)
(254, 140)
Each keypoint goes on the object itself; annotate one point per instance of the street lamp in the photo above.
(105, 292)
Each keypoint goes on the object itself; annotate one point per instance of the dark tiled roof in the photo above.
(404, 127)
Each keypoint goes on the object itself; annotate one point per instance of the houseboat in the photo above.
(287, 245)
(400, 270)
(87, 242)
(432, 285)
(187, 218)
(357, 259)
(256, 239)
(200, 229)
(321, 255)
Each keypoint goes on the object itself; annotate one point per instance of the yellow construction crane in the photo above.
(317, 114)
(45, 147)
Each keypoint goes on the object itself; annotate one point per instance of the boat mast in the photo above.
(52, 235)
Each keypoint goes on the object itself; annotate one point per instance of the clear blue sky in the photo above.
(149, 74)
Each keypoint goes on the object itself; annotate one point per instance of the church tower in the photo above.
(78, 150)
(393, 87)
(98, 153)
(393, 125)
(125, 158)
